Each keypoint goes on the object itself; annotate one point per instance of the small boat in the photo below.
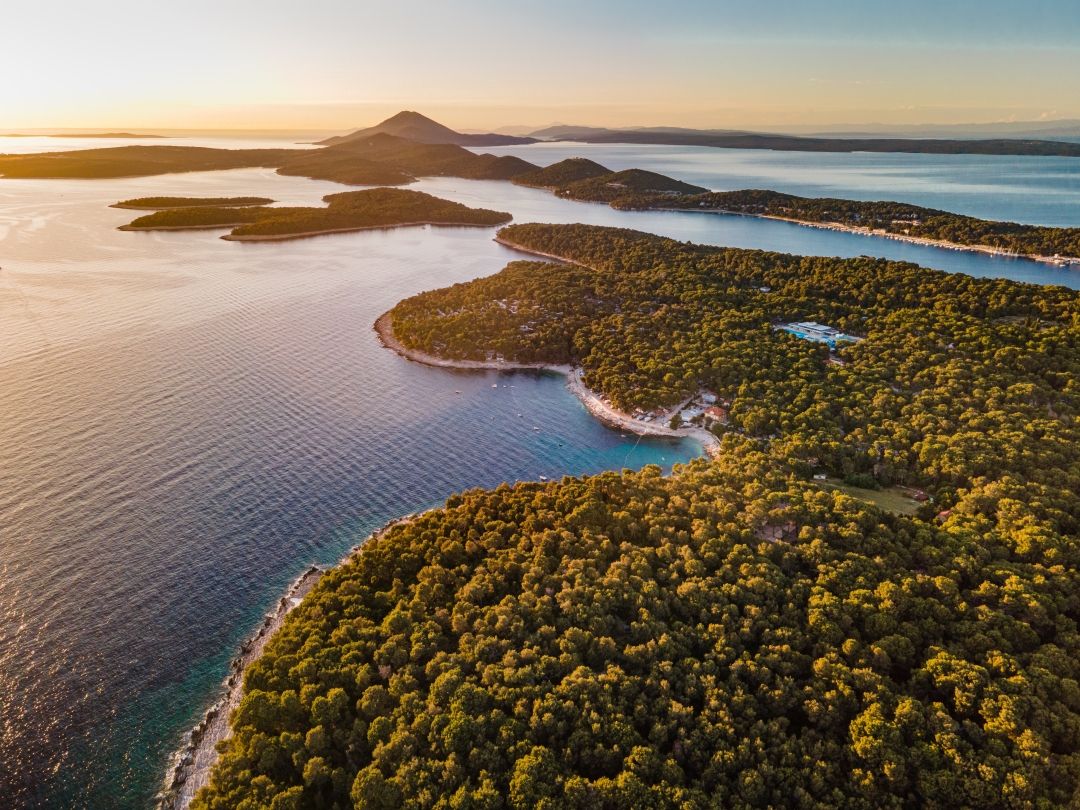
(543, 478)
(494, 385)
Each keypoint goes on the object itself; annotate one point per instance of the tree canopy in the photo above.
(629, 640)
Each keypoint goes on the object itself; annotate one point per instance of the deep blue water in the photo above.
(189, 423)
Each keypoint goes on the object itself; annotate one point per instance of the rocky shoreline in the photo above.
(190, 766)
(192, 763)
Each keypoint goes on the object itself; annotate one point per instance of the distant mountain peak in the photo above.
(417, 127)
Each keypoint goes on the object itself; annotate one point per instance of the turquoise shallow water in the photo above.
(189, 423)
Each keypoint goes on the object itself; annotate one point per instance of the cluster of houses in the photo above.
(705, 409)
(817, 333)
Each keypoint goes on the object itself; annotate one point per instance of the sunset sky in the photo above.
(335, 64)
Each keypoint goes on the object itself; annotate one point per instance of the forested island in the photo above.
(730, 635)
(616, 186)
(346, 211)
(161, 203)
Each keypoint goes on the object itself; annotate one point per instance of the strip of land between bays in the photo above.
(878, 233)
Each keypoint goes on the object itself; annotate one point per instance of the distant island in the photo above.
(675, 136)
(136, 161)
(419, 128)
(347, 211)
(162, 203)
(744, 632)
(82, 135)
(423, 159)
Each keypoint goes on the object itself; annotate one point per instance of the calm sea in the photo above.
(189, 423)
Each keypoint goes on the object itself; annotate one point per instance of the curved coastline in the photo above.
(522, 249)
(592, 401)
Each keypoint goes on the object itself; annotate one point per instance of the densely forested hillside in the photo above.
(892, 217)
(350, 210)
(629, 641)
(612, 186)
(562, 173)
(729, 636)
(423, 159)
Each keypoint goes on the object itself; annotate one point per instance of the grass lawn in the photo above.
(892, 499)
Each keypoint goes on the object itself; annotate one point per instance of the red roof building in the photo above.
(717, 412)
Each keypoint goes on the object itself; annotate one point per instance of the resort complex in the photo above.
(817, 333)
